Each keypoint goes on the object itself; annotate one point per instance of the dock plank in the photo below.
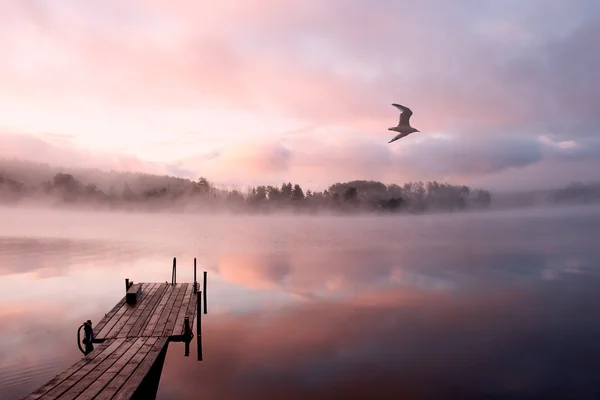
(74, 378)
(178, 326)
(172, 318)
(137, 313)
(124, 375)
(102, 333)
(108, 316)
(96, 372)
(129, 312)
(102, 329)
(148, 331)
(191, 310)
(104, 379)
(168, 312)
(146, 315)
(141, 371)
(58, 379)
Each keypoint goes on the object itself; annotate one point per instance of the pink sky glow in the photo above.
(505, 93)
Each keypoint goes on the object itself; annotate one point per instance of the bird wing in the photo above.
(399, 136)
(405, 115)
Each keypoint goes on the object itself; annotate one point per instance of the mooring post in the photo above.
(199, 325)
(195, 282)
(88, 339)
(174, 273)
(204, 291)
(126, 284)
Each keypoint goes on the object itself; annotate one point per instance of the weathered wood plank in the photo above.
(107, 317)
(172, 317)
(178, 327)
(98, 385)
(125, 374)
(191, 311)
(131, 308)
(137, 313)
(149, 310)
(158, 311)
(68, 372)
(100, 368)
(162, 321)
(141, 371)
(67, 383)
(103, 332)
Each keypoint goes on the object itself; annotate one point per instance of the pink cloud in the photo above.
(59, 150)
(491, 78)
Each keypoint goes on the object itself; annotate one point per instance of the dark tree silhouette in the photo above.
(203, 186)
(144, 191)
(297, 193)
(350, 195)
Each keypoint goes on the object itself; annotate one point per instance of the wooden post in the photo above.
(188, 336)
(195, 282)
(204, 290)
(199, 325)
(186, 326)
(174, 273)
(126, 285)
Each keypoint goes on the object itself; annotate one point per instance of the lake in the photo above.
(491, 304)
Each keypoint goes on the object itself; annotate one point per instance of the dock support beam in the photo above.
(174, 273)
(199, 324)
(204, 292)
(188, 335)
(195, 282)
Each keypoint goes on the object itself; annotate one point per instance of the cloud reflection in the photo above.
(398, 342)
(340, 273)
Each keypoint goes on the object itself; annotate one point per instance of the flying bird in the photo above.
(404, 124)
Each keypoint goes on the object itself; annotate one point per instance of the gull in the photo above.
(404, 124)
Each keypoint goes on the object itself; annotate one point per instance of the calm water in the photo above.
(497, 304)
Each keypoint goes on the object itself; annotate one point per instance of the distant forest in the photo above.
(29, 183)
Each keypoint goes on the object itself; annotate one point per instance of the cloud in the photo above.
(472, 75)
(489, 161)
(493, 77)
(59, 150)
(320, 161)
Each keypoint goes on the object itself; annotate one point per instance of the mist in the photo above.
(484, 303)
(24, 183)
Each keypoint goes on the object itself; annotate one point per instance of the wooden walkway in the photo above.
(130, 340)
(159, 312)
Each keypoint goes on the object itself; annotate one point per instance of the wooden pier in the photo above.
(131, 343)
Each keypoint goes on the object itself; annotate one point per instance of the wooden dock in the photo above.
(131, 343)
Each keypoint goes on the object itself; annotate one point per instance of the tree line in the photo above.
(185, 194)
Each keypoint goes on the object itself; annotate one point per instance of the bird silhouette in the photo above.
(404, 124)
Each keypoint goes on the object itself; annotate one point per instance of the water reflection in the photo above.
(439, 306)
(345, 273)
(535, 340)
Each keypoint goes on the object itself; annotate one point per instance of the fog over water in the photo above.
(502, 303)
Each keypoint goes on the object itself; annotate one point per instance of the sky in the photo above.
(504, 92)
